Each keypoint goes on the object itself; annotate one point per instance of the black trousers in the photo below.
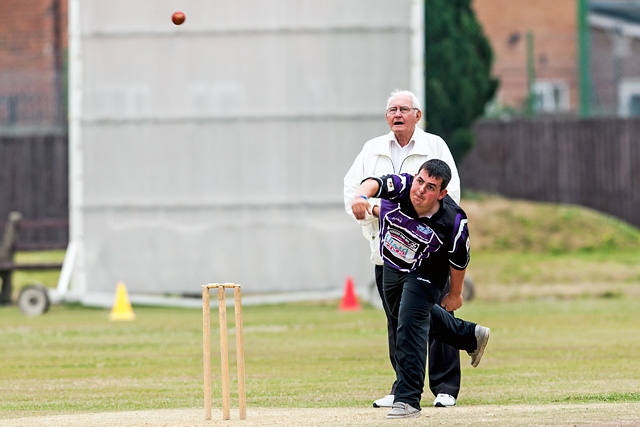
(416, 314)
(444, 359)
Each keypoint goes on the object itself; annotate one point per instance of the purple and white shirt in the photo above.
(426, 245)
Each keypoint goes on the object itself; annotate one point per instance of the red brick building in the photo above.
(615, 57)
(533, 40)
(33, 44)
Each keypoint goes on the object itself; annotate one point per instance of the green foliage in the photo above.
(458, 60)
(461, 141)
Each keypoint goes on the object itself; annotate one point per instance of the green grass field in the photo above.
(564, 331)
(74, 359)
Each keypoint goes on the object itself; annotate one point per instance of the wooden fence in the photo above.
(34, 176)
(590, 162)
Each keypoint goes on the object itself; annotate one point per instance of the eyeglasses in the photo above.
(403, 110)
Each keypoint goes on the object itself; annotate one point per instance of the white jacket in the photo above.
(375, 160)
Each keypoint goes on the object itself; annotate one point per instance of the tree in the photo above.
(458, 82)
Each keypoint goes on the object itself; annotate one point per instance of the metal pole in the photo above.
(584, 59)
(76, 151)
(531, 74)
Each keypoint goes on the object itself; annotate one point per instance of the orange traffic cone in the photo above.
(349, 299)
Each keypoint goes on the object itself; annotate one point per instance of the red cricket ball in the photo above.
(178, 18)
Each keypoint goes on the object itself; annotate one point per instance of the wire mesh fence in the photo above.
(32, 65)
(564, 57)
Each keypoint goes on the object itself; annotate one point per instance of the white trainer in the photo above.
(482, 337)
(444, 400)
(385, 402)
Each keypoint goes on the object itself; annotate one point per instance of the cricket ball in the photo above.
(178, 18)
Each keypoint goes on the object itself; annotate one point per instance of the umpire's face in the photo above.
(425, 193)
(402, 123)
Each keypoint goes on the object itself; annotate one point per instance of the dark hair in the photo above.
(437, 169)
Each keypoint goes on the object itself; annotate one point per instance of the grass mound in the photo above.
(499, 224)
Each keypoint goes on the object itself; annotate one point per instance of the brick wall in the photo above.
(553, 24)
(33, 41)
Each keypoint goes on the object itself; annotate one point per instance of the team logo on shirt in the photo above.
(399, 245)
(390, 186)
(424, 229)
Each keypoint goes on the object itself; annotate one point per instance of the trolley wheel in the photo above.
(468, 290)
(374, 296)
(33, 300)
